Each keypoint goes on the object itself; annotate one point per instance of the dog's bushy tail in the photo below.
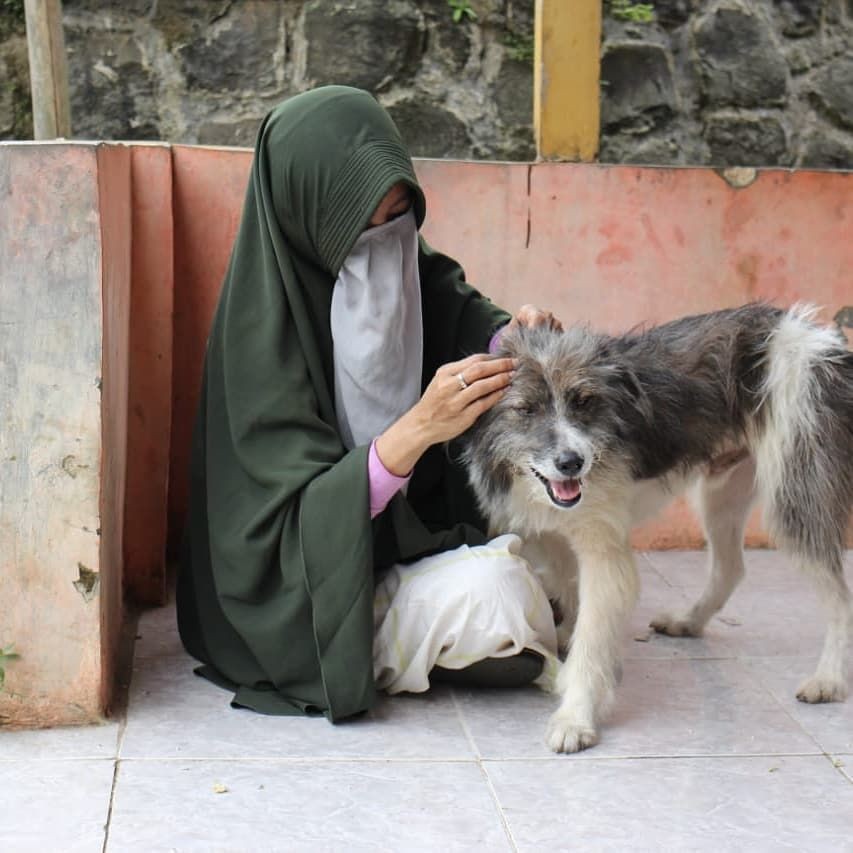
(804, 446)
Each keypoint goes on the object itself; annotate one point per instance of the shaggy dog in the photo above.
(598, 433)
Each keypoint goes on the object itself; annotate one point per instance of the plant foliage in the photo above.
(462, 10)
(6, 655)
(637, 13)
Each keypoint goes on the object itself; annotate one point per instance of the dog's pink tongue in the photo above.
(565, 490)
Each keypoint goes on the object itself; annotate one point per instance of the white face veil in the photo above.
(377, 330)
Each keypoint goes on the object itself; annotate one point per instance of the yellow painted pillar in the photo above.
(566, 79)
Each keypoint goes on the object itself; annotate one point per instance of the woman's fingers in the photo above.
(530, 315)
(479, 367)
(461, 391)
(485, 385)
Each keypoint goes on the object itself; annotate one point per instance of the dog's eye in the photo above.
(526, 410)
(580, 399)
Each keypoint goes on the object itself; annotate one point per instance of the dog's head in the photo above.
(554, 427)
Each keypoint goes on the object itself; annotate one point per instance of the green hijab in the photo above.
(275, 590)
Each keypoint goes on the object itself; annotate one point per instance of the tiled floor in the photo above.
(707, 750)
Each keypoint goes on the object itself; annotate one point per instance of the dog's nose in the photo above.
(569, 464)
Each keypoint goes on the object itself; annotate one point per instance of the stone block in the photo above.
(235, 52)
(637, 87)
(673, 13)
(357, 44)
(429, 130)
(798, 18)
(513, 96)
(7, 101)
(738, 60)
(449, 43)
(746, 141)
(64, 308)
(655, 150)
(114, 91)
(832, 90)
(16, 120)
(240, 133)
(826, 149)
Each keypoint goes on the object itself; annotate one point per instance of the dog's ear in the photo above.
(511, 341)
(630, 384)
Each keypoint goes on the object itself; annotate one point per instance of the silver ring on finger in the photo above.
(462, 383)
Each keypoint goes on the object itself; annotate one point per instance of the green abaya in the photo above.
(275, 591)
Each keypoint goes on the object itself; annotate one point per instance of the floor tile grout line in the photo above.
(460, 716)
(283, 760)
(67, 758)
(364, 759)
(749, 670)
(494, 794)
(108, 823)
(122, 729)
(692, 756)
(478, 758)
(838, 766)
(585, 757)
(649, 563)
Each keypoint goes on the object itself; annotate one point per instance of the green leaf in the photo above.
(8, 653)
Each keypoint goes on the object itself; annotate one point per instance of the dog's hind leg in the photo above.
(829, 682)
(724, 501)
(807, 514)
(805, 475)
(608, 587)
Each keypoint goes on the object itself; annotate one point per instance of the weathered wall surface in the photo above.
(64, 274)
(722, 82)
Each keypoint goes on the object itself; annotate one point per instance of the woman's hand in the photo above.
(457, 395)
(530, 315)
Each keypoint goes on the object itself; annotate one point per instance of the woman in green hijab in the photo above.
(338, 362)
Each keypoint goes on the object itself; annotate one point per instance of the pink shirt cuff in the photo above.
(382, 485)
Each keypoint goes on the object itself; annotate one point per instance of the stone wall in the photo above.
(207, 71)
(731, 82)
(722, 82)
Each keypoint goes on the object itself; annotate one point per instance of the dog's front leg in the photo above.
(608, 587)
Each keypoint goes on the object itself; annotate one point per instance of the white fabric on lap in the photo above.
(456, 608)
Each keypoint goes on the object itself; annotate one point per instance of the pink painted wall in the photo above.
(209, 185)
(620, 245)
(150, 400)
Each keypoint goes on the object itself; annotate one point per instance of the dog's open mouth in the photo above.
(563, 493)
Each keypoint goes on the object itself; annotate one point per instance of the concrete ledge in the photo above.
(64, 276)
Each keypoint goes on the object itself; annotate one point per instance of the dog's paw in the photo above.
(563, 735)
(674, 626)
(816, 689)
